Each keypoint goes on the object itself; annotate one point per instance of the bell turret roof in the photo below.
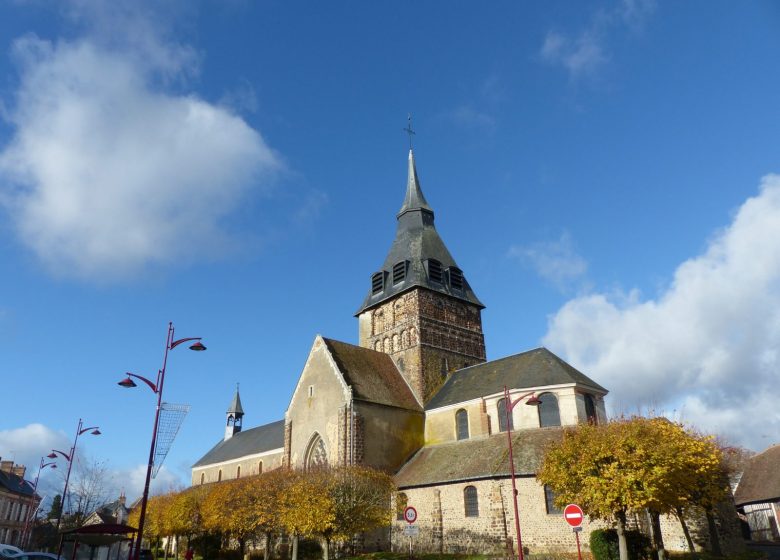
(418, 256)
(235, 406)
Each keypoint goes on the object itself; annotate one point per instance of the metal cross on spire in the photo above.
(408, 129)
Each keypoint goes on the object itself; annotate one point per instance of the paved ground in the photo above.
(772, 550)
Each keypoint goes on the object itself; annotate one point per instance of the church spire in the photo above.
(235, 415)
(414, 199)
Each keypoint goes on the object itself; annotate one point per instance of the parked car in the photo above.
(9, 551)
(145, 554)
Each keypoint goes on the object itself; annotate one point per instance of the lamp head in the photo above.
(95, 432)
(52, 455)
(198, 347)
(533, 401)
(127, 383)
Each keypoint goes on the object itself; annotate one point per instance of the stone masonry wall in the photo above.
(428, 335)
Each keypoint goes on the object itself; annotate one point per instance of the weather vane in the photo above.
(408, 129)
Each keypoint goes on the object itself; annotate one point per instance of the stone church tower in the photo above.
(420, 309)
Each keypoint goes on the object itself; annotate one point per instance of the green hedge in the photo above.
(604, 545)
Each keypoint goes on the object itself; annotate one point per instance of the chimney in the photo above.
(6, 466)
(19, 470)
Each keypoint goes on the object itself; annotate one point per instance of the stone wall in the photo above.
(429, 335)
(250, 465)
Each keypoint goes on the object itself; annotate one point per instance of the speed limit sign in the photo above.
(410, 514)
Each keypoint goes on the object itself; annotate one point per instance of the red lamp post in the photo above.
(157, 388)
(69, 458)
(509, 405)
(26, 531)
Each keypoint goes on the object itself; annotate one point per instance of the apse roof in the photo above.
(534, 368)
(416, 244)
(476, 458)
(249, 442)
(372, 375)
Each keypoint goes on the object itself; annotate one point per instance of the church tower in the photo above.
(235, 414)
(420, 309)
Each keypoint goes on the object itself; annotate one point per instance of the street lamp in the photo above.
(26, 531)
(157, 388)
(509, 405)
(69, 458)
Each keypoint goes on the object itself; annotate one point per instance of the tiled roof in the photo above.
(15, 483)
(372, 375)
(249, 442)
(535, 368)
(470, 459)
(761, 480)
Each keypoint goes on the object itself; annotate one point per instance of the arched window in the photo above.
(549, 415)
(470, 501)
(549, 502)
(260, 467)
(502, 416)
(202, 477)
(238, 471)
(590, 410)
(401, 501)
(219, 476)
(316, 456)
(462, 424)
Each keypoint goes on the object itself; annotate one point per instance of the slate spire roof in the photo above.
(418, 256)
(235, 406)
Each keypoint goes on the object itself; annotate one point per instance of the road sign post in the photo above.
(573, 515)
(410, 515)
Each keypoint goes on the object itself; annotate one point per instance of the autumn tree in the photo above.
(305, 506)
(631, 464)
(185, 514)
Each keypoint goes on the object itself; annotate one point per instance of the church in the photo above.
(417, 398)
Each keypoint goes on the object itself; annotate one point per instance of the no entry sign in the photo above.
(573, 515)
(410, 514)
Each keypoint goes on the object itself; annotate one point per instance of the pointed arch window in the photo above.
(502, 416)
(470, 501)
(549, 502)
(462, 424)
(549, 414)
(316, 455)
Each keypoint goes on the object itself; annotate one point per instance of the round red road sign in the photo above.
(573, 515)
(410, 514)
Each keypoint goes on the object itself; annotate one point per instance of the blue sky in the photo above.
(601, 171)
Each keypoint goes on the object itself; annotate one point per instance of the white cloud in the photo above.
(708, 346)
(555, 261)
(107, 172)
(26, 445)
(585, 52)
(132, 481)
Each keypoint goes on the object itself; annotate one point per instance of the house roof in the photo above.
(249, 442)
(761, 480)
(417, 241)
(372, 375)
(15, 483)
(485, 457)
(534, 368)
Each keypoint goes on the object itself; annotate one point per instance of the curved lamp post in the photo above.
(157, 388)
(509, 405)
(26, 531)
(81, 430)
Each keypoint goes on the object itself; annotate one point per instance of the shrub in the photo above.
(604, 545)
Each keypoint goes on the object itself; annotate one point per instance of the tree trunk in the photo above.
(658, 538)
(242, 548)
(266, 552)
(325, 549)
(621, 532)
(295, 547)
(686, 531)
(713, 530)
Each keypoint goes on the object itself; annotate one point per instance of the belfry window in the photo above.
(456, 278)
(590, 410)
(549, 414)
(435, 271)
(502, 416)
(399, 272)
(377, 283)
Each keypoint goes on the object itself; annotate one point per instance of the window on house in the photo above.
(219, 476)
(502, 416)
(456, 278)
(590, 410)
(260, 467)
(401, 501)
(549, 415)
(462, 424)
(399, 272)
(434, 271)
(377, 283)
(238, 471)
(549, 502)
(311, 390)
(470, 501)
(202, 478)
